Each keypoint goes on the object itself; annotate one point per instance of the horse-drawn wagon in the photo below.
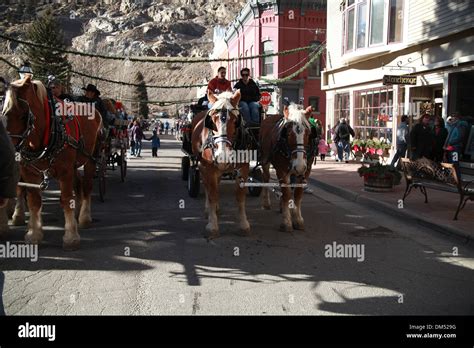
(113, 147)
(245, 147)
(213, 137)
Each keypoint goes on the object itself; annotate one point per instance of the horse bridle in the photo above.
(286, 152)
(223, 137)
(30, 125)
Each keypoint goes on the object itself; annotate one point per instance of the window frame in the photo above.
(317, 109)
(371, 108)
(355, 6)
(318, 62)
(264, 63)
(385, 25)
(342, 104)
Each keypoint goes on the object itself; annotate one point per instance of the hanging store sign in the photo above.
(399, 80)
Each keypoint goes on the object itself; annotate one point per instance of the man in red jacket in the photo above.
(218, 85)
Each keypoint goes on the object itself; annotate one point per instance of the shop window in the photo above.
(373, 113)
(341, 106)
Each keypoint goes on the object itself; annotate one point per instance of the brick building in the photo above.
(265, 26)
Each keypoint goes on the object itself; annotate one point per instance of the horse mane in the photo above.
(223, 101)
(297, 114)
(11, 100)
(40, 90)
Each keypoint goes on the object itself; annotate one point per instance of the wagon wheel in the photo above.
(185, 163)
(101, 175)
(193, 182)
(123, 164)
(256, 176)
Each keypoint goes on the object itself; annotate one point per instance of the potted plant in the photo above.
(359, 147)
(379, 178)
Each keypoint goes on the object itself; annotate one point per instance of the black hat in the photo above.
(91, 88)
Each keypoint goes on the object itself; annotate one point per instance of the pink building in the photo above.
(266, 26)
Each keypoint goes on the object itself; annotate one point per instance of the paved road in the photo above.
(173, 269)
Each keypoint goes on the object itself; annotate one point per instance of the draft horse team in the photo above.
(56, 147)
(284, 142)
(51, 147)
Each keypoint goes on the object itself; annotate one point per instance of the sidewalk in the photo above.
(342, 179)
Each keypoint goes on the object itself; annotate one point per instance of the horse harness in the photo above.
(58, 139)
(213, 140)
(282, 148)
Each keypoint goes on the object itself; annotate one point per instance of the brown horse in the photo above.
(213, 138)
(285, 143)
(46, 154)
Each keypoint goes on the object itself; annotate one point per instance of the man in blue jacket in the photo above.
(455, 142)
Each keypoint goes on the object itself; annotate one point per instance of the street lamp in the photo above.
(25, 70)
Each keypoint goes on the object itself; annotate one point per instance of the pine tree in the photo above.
(47, 61)
(140, 95)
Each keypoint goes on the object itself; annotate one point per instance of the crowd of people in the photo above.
(432, 138)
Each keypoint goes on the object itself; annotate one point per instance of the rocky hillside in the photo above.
(130, 27)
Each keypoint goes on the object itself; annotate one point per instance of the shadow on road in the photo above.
(144, 215)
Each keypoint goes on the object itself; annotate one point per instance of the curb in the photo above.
(386, 208)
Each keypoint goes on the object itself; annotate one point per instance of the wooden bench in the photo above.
(445, 177)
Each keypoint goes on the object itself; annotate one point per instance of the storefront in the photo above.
(374, 110)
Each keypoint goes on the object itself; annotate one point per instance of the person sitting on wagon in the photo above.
(250, 95)
(218, 85)
(92, 95)
(57, 89)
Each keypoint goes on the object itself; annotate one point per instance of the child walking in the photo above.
(323, 148)
(155, 143)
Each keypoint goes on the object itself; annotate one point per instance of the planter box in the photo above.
(374, 183)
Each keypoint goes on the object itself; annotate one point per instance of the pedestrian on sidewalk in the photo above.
(323, 148)
(138, 137)
(456, 139)
(155, 143)
(131, 136)
(422, 139)
(402, 141)
(343, 135)
(440, 133)
(333, 145)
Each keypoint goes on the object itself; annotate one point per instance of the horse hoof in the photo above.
(212, 232)
(286, 228)
(72, 245)
(33, 239)
(298, 226)
(85, 224)
(213, 235)
(18, 221)
(245, 232)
